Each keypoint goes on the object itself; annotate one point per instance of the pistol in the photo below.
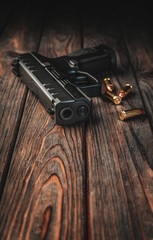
(66, 84)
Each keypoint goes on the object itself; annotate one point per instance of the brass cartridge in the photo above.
(125, 114)
(114, 98)
(108, 84)
(125, 91)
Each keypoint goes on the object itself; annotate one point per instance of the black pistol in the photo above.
(65, 85)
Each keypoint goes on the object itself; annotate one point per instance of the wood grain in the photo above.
(119, 154)
(18, 36)
(48, 176)
(92, 181)
(45, 195)
(138, 40)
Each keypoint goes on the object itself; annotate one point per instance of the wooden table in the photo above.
(88, 181)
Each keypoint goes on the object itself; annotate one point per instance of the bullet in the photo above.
(125, 114)
(125, 91)
(108, 84)
(114, 98)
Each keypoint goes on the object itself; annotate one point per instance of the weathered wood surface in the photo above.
(91, 181)
(120, 157)
(47, 195)
(17, 36)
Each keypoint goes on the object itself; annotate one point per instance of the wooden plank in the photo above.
(44, 196)
(119, 154)
(138, 39)
(20, 35)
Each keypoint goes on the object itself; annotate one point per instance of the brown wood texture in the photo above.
(140, 37)
(17, 37)
(89, 181)
(46, 197)
(120, 153)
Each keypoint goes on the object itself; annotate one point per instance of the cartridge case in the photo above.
(113, 97)
(125, 91)
(108, 84)
(125, 114)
